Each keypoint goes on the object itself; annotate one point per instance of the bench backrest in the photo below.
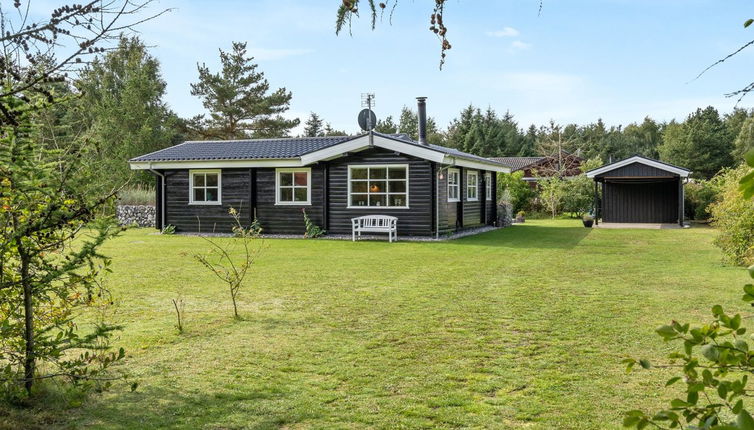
(375, 221)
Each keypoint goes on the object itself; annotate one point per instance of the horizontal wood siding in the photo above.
(636, 169)
(286, 219)
(653, 202)
(417, 220)
(206, 218)
(472, 210)
(491, 206)
(447, 211)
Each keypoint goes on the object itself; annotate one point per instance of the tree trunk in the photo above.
(29, 358)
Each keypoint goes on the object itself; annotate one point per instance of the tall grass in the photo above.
(137, 195)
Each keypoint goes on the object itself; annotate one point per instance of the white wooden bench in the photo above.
(375, 224)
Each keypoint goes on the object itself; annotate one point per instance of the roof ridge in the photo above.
(265, 139)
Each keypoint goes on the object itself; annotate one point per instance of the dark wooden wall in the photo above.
(472, 210)
(206, 218)
(636, 170)
(416, 220)
(650, 202)
(287, 219)
(245, 189)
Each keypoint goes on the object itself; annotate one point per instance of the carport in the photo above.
(639, 190)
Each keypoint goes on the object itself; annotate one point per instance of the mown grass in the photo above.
(519, 328)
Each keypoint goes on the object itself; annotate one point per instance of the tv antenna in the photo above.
(367, 118)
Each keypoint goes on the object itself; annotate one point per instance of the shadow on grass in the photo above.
(529, 236)
(157, 407)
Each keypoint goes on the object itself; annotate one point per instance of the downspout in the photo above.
(162, 195)
(437, 198)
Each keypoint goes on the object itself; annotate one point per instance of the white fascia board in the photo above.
(214, 164)
(334, 151)
(475, 164)
(637, 159)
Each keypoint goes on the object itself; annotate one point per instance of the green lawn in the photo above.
(519, 328)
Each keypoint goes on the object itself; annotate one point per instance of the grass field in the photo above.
(519, 328)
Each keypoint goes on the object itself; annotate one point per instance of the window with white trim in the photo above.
(378, 186)
(472, 185)
(454, 185)
(205, 187)
(488, 186)
(293, 186)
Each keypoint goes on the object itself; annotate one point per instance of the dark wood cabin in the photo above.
(431, 189)
(533, 168)
(639, 190)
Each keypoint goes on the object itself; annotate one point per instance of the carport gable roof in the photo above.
(680, 171)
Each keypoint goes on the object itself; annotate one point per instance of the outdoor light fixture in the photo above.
(374, 188)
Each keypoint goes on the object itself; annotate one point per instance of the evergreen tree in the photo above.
(643, 139)
(329, 131)
(387, 126)
(314, 126)
(702, 143)
(239, 101)
(745, 140)
(408, 123)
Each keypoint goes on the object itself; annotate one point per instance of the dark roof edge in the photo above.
(643, 157)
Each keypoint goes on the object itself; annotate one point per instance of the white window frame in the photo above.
(293, 170)
(456, 185)
(387, 193)
(488, 186)
(219, 187)
(474, 187)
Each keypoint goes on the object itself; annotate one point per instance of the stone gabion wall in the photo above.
(141, 215)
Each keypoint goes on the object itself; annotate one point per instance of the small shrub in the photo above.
(312, 229)
(137, 195)
(168, 229)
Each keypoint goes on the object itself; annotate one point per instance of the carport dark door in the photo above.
(654, 202)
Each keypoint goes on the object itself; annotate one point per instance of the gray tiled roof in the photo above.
(517, 163)
(291, 147)
(251, 149)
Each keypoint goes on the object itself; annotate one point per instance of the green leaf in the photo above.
(717, 310)
(666, 331)
(645, 363)
(744, 420)
(710, 352)
(750, 268)
(672, 381)
(738, 406)
(678, 403)
(748, 22)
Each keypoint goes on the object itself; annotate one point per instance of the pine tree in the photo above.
(314, 126)
(48, 267)
(386, 126)
(239, 101)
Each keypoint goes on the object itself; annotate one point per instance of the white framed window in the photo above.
(454, 185)
(372, 186)
(205, 187)
(293, 186)
(488, 186)
(472, 186)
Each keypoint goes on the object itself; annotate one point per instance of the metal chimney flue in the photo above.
(422, 105)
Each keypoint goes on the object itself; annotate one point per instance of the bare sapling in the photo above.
(230, 259)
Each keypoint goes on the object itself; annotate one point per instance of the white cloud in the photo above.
(505, 32)
(518, 45)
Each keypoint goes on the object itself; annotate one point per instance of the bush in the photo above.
(698, 197)
(521, 194)
(733, 215)
(137, 195)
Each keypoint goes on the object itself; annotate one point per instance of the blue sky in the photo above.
(579, 60)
